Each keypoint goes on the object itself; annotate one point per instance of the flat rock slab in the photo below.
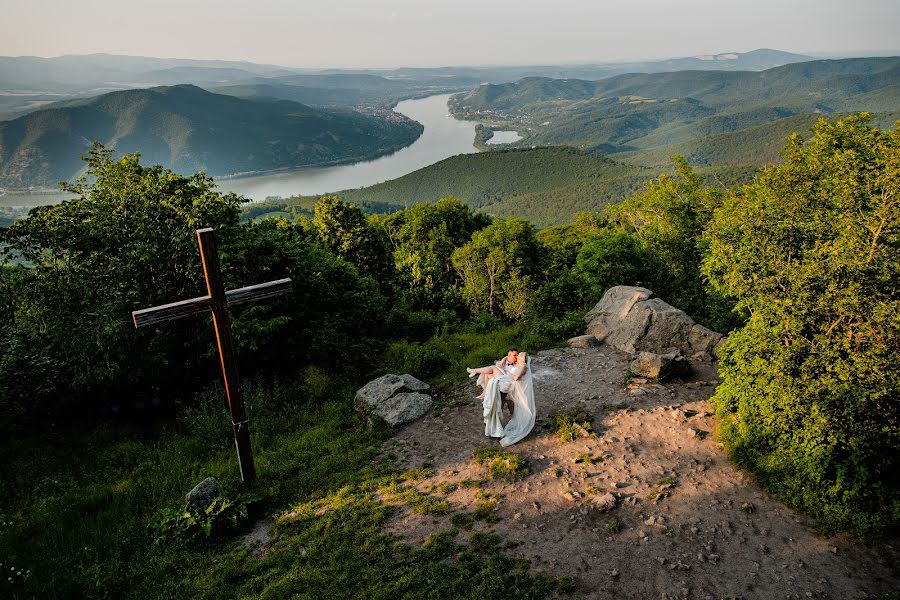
(404, 408)
(395, 399)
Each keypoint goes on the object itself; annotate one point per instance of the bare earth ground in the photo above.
(715, 535)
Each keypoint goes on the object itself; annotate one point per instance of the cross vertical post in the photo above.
(218, 300)
(222, 324)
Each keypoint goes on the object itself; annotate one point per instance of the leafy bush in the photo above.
(222, 516)
(810, 386)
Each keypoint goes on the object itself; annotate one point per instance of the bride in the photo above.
(511, 376)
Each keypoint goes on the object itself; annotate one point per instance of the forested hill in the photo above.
(545, 185)
(825, 84)
(189, 129)
(708, 116)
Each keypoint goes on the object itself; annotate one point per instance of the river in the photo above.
(443, 137)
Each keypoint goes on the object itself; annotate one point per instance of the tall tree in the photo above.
(810, 395)
(497, 265)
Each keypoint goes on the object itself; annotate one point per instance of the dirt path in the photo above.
(692, 526)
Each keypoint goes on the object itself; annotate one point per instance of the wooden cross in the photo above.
(219, 301)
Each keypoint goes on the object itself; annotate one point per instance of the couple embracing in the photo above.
(509, 382)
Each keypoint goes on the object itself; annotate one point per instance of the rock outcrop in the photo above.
(202, 495)
(395, 399)
(631, 319)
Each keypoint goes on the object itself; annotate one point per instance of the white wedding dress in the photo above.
(521, 393)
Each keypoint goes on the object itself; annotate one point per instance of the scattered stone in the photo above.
(614, 573)
(748, 507)
(202, 495)
(605, 503)
(658, 366)
(517, 516)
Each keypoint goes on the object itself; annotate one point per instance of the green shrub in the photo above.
(571, 425)
(223, 515)
(502, 465)
(809, 396)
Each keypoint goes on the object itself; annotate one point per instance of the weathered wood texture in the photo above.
(185, 308)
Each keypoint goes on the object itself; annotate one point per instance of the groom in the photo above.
(512, 356)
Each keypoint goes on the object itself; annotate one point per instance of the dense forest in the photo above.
(799, 266)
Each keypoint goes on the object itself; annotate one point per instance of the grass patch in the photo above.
(419, 502)
(446, 488)
(462, 520)
(586, 458)
(468, 484)
(571, 425)
(614, 526)
(501, 464)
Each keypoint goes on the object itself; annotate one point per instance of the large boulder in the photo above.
(403, 408)
(202, 495)
(633, 320)
(395, 399)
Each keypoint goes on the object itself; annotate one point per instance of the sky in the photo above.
(395, 33)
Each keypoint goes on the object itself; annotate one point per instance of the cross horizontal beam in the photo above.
(176, 310)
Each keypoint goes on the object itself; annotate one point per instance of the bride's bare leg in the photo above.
(480, 370)
(484, 383)
(488, 373)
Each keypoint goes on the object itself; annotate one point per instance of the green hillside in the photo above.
(546, 185)
(189, 129)
(695, 113)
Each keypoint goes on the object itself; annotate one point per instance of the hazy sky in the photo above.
(389, 33)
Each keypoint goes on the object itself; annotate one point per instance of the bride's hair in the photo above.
(522, 359)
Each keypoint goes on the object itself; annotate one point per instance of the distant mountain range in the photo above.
(189, 129)
(29, 82)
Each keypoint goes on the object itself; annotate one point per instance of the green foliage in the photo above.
(571, 425)
(668, 219)
(73, 273)
(424, 238)
(501, 464)
(344, 230)
(810, 387)
(79, 268)
(496, 267)
(222, 516)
